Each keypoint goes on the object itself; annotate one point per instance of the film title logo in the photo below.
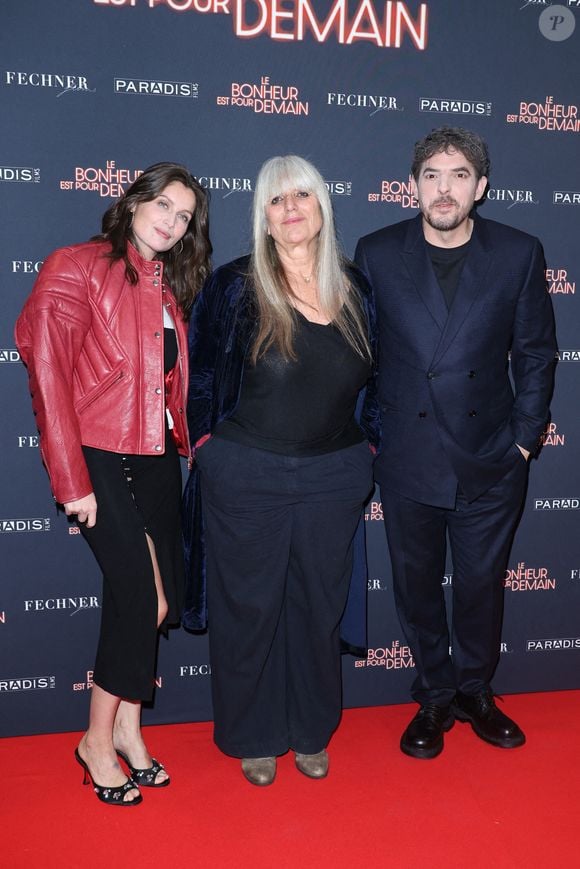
(454, 107)
(396, 193)
(566, 197)
(376, 585)
(156, 88)
(548, 116)
(568, 355)
(528, 579)
(551, 438)
(195, 670)
(397, 657)
(10, 526)
(447, 579)
(64, 83)
(28, 683)
(86, 685)
(109, 181)
(374, 512)
(20, 174)
(557, 280)
(384, 24)
(555, 645)
(2, 617)
(265, 98)
(278, 22)
(378, 103)
(557, 504)
(8, 354)
(575, 573)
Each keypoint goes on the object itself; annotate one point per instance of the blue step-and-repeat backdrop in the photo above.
(93, 91)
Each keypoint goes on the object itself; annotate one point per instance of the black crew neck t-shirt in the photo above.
(448, 264)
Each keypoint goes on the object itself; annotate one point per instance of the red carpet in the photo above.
(473, 807)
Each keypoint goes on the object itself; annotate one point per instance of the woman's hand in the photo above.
(85, 509)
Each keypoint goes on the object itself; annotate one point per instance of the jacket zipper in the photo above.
(83, 404)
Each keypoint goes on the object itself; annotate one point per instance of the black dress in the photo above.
(136, 495)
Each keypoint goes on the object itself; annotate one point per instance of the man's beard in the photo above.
(445, 222)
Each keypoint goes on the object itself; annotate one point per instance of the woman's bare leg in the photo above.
(96, 746)
(161, 599)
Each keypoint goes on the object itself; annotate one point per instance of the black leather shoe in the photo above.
(487, 720)
(423, 738)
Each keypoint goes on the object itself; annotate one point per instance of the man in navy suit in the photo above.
(456, 295)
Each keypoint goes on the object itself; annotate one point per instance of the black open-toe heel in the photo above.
(111, 796)
(145, 778)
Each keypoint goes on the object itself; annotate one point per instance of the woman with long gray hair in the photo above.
(281, 349)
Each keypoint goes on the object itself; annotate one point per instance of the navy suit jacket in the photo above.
(450, 412)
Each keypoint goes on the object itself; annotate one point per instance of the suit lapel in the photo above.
(471, 283)
(419, 266)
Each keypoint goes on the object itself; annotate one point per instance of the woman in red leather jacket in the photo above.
(103, 335)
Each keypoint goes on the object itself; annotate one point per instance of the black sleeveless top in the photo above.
(301, 407)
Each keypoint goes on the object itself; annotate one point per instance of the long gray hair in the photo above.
(338, 298)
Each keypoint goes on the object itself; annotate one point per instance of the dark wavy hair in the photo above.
(186, 269)
(470, 144)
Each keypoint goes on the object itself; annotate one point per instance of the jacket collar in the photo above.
(419, 266)
(140, 263)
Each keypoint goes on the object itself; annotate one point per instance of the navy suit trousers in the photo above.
(480, 535)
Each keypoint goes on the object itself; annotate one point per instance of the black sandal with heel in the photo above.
(111, 796)
(145, 778)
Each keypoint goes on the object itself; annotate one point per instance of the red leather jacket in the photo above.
(93, 345)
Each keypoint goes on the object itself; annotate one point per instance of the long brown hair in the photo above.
(186, 266)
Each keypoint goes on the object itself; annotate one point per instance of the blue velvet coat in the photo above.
(220, 335)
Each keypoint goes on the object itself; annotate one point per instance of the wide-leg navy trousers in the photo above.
(279, 535)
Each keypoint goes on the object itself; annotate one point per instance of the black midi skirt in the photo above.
(136, 495)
